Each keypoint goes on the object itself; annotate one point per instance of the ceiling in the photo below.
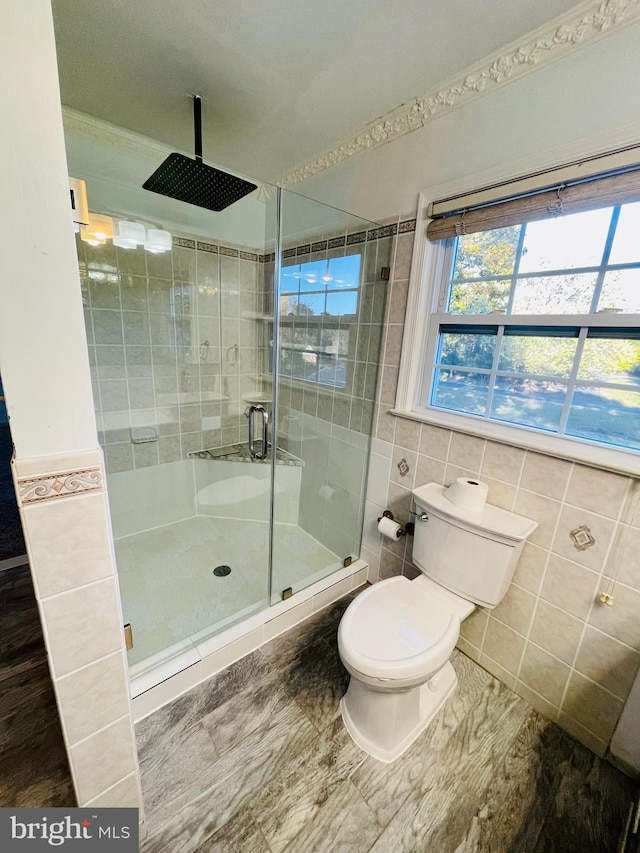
(281, 81)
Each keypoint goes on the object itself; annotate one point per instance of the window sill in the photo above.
(572, 450)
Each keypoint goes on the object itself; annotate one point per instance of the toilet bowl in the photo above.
(396, 638)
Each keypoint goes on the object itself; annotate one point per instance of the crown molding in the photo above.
(580, 26)
(85, 126)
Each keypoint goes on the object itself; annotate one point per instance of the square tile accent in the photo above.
(586, 536)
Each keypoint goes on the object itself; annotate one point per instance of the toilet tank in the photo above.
(473, 554)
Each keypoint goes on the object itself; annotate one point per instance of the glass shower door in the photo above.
(329, 300)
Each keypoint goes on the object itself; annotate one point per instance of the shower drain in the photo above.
(222, 571)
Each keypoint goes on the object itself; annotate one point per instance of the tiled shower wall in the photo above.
(171, 341)
(551, 639)
(329, 428)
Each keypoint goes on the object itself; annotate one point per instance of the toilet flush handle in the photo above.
(422, 516)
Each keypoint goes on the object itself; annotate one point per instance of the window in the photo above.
(537, 325)
(318, 305)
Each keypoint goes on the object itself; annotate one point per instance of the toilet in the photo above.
(396, 638)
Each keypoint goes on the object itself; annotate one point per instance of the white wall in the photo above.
(43, 353)
(58, 467)
(587, 94)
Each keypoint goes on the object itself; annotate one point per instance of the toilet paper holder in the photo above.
(405, 530)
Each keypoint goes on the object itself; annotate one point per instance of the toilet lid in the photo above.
(396, 630)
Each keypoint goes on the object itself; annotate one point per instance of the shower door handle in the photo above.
(261, 451)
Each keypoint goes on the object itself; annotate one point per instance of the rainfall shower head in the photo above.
(193, 181)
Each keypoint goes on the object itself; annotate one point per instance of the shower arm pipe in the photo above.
(197, 126)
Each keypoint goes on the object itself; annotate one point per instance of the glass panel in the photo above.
(565, 242)
(328, 372)
(311, 304)
(344, 272)
(608, 415)
(561, 294)
(537, 355)
(530, 402)
(460, 390)
(466, 350)
(626, 249)
(615, 361)
(312, 276)
(620, 292)
(479, 297)
(339, 304)
(487, 253)
(180, 343)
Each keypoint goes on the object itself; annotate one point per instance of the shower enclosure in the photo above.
(234, 380)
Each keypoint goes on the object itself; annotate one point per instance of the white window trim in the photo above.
(424, 290)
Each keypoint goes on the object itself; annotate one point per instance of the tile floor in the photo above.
(257, 759)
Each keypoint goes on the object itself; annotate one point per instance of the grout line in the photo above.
(102, 658)
(115, 722)
(535, 607)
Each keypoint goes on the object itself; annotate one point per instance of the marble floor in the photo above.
(257, 759)
(33, 764)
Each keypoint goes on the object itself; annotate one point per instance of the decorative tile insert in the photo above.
(184, 242)
(403, 467)
(582, 538)
(207, 247)
(62, 485)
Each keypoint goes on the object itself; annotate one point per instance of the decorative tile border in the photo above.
(61, 485)
(207, 247)
(577, 27)
(184, 243)
(304, 249)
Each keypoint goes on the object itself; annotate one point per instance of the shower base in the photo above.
(171, 596)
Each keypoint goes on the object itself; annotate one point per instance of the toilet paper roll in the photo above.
(389, 528)
(468, 494)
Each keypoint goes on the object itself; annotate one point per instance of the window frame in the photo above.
(425, 312)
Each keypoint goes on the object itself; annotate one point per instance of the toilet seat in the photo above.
(396, 631)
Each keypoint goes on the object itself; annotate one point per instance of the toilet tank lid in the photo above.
(492, 519)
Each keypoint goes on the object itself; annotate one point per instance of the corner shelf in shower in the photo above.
(240, 453)
(257, 397)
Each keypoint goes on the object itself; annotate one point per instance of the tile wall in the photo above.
(328, 428)
(551, 639)
(172, 340)
(66, 525)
